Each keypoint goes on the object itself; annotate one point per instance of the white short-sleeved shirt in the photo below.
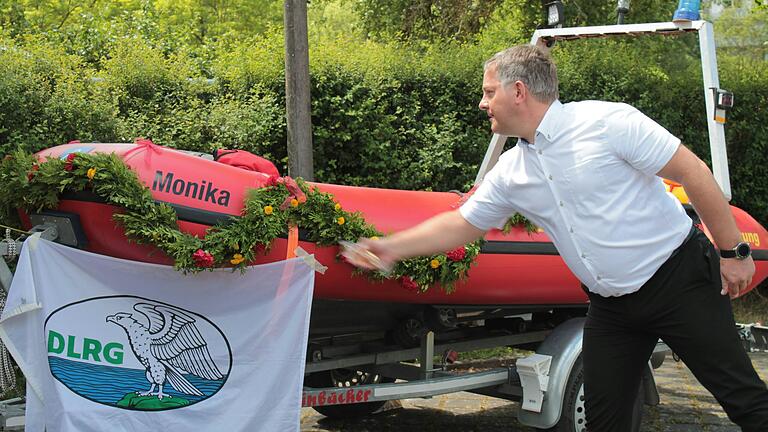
(590, 182)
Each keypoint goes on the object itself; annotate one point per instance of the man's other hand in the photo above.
(736, 275)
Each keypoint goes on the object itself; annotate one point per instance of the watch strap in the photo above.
(746, 251)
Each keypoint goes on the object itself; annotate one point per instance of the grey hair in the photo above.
(528, 64)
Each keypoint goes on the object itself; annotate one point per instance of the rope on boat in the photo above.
(7, 371)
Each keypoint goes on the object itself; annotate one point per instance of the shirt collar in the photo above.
(548, 125)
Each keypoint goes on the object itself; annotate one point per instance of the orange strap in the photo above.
(293, 241)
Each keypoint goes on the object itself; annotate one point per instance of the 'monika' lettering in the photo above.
(203, 191)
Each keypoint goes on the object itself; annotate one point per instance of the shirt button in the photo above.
(583, 255)
(540, 152)
(571, 229)
(561, 204)
(599, 278)
(550, 176)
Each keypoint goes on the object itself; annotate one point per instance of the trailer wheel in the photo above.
(408, 333)
(346, 378)
(573, 417)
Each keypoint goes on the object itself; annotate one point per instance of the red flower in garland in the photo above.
(31, 173)
(457, 254)
(409, 284)
(202, 258)
(70, 159)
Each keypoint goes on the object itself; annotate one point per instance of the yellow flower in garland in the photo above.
(434, 263)
(91, 173)
(268, 210)
(294, 203)
(375, 238)
(237, 259)
(340, 220)
(337, 207)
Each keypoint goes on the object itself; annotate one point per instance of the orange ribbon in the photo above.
(294, 191)
(293, 241)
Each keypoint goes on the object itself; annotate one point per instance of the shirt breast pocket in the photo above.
(586, 185)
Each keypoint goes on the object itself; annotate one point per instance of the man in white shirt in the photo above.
(589, 173)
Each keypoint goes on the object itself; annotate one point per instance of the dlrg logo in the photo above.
(138, 354)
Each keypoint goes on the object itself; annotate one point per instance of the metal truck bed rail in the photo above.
(441, 384)
(754, 337)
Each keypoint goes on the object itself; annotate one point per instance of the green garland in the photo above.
(519, 220)
(29, 184)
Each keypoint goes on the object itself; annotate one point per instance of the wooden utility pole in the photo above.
(297, 98)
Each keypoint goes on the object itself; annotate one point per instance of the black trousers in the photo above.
(682, 305)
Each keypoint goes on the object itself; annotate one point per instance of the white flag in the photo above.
(110, 344)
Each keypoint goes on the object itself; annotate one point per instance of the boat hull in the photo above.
(514, 269)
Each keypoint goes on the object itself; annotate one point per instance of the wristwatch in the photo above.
(740, 251)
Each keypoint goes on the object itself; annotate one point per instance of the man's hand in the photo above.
(381, 249)
(736, 275)
(370, 254)
(437, 234)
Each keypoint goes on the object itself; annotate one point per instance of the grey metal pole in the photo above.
(297, 95)
(621, 10)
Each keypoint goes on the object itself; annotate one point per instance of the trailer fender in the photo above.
(564, 346)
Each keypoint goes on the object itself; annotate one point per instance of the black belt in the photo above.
(690, 235)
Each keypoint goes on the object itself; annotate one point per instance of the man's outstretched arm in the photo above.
(705, 195)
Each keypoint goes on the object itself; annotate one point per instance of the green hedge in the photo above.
(747, 133)
(383, 115)
(46, 99)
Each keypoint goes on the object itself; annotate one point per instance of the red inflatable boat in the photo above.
(517, 270)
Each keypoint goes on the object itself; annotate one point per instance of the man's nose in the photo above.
(483, 105)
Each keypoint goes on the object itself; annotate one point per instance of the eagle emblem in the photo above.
(170, 346)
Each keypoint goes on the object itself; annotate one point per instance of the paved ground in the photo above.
(685, 407)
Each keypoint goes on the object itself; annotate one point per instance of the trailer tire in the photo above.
(346, 378)
(573, 417)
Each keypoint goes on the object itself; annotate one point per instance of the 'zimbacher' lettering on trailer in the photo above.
(204, 191)
(751, 238)
(337, 397)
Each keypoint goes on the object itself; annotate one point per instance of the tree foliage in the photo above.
(90, 29)
(202, 19)
(744, 31)
(425, 19)
(463, 19)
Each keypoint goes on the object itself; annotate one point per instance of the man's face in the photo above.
(499, 102)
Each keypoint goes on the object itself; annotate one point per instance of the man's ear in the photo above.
(520, 91)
